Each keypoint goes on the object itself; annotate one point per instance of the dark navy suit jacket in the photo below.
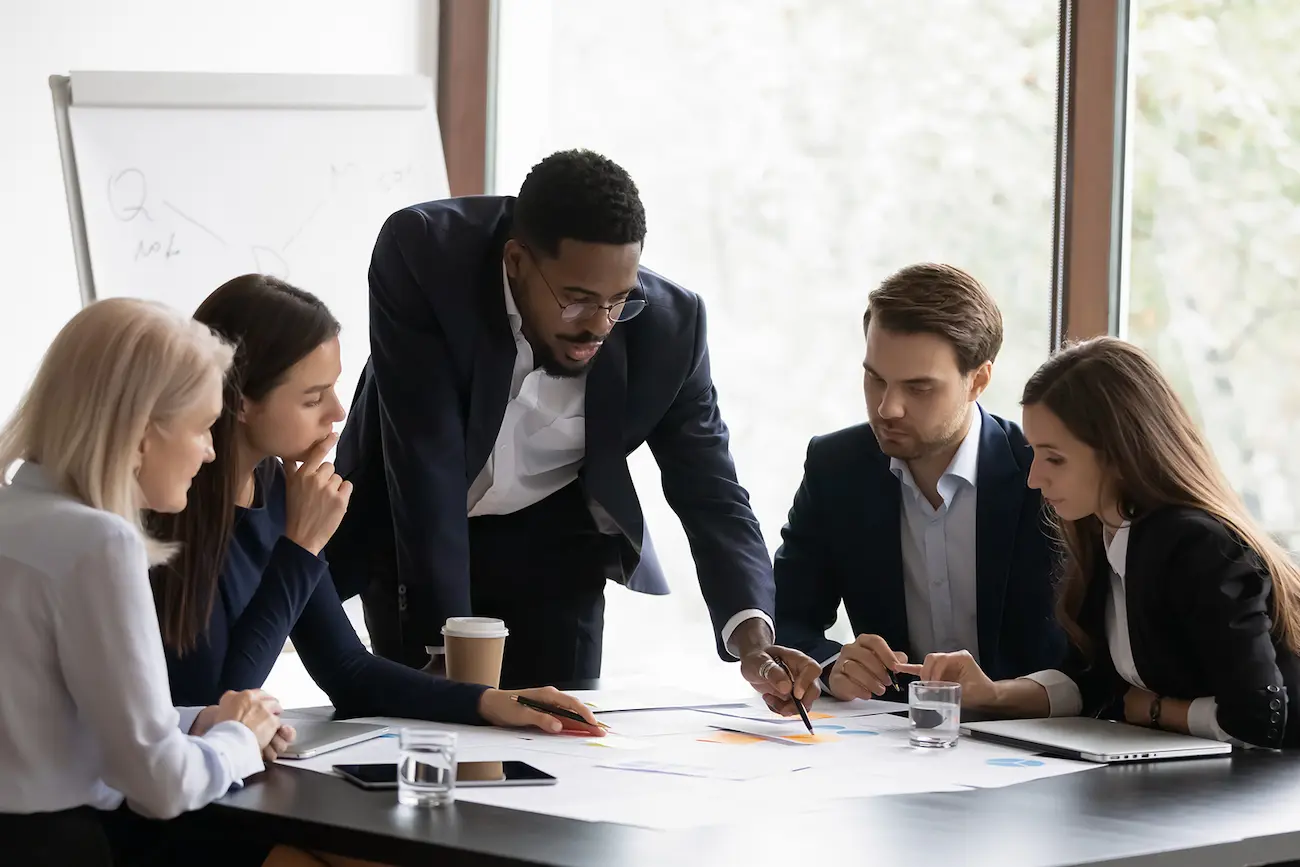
(843, 542)
(430, 402)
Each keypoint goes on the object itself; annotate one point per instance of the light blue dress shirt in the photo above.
(939, 553)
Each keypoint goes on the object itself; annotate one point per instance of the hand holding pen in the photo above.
(785, 677)
(865, 669)
(562, 714)
(545, 708)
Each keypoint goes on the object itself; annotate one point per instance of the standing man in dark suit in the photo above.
(920, 521)
(519, 353)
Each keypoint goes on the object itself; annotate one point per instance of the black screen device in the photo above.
(468, 774)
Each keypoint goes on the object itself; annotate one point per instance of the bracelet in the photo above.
(1155, 712)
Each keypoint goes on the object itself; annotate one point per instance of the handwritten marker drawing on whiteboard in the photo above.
(178, 201)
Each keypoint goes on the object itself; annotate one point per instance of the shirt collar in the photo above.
(512, 309)
(33, 477)
(964, 466)
(1117, 549)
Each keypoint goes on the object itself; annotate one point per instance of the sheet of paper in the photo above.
(824, 732)
(822, 709)
(653, 723)
(709, 770)
(579, 746)
(859, 706)
(652, 698)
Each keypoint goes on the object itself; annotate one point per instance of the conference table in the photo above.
(1238, 810)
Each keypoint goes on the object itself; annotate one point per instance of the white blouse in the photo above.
(85, 707)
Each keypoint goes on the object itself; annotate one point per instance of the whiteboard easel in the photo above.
(228, 171)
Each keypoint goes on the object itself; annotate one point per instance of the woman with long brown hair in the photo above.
(250, 572)
(1182, 613)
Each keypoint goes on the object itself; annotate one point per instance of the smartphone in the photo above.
(468, 775)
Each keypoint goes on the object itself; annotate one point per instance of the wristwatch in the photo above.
(1155, 712)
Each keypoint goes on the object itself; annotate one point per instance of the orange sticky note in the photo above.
(812, 739)
(734, 738)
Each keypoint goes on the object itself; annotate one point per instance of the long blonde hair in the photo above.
(1114, 399)
(115, 368)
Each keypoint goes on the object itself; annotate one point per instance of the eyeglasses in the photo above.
(619, 311)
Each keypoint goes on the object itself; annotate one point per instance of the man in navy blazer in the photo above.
(920, 521)
(519, 353)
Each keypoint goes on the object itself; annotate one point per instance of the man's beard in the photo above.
(544, 356)
(915, 449)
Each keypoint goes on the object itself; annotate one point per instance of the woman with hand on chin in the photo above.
(116, 420)
(1182, 613)
(250, 575)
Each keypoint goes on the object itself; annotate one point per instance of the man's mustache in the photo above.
(584, 339)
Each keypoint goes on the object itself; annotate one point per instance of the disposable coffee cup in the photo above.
(474, 647)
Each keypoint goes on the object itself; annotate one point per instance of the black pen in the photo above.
(555, 711)
(803, 715)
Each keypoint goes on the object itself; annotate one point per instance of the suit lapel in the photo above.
(997, 521)
(882, 544)
(494, 362)
(604, 470)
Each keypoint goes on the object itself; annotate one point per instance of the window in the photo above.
(791, 155)
(1214, 183)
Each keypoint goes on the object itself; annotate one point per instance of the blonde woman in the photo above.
(1182, 613)
(117, 420)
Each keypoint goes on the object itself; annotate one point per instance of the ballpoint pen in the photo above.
(555, 711)
(803, 715)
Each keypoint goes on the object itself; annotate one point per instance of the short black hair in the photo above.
(580, 195)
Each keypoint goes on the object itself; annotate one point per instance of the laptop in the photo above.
(1094, 740)
(322, 736)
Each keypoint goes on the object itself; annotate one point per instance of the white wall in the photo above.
(38, 282)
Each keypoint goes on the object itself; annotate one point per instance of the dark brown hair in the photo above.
(273, 326)
(1113, 398)
(941, 300)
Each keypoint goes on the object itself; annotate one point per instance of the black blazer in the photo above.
(843, 541)
(429, 406)
(1199, 623)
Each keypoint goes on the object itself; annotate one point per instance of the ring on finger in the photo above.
(766, 668)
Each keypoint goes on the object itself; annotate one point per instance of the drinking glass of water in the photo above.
(426, 767)
(935, 709)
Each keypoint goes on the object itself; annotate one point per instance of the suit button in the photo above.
(1275, 704)
(1272, 733)
(1275, 717)
(1273, 688)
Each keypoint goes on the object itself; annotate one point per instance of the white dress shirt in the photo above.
(85, 711)
(1063, 696)
(939, 554)
(543, 436)
(541, 444)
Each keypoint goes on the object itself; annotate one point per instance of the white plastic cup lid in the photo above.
(475, 627)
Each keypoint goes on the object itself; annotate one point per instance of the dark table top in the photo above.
(1216, 811)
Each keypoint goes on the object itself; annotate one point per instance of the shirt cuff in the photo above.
(435, 650)
(1203, 722)
(824, 680)
(1063, 698)
(740, 618)
(188, 715)
(237, 743)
